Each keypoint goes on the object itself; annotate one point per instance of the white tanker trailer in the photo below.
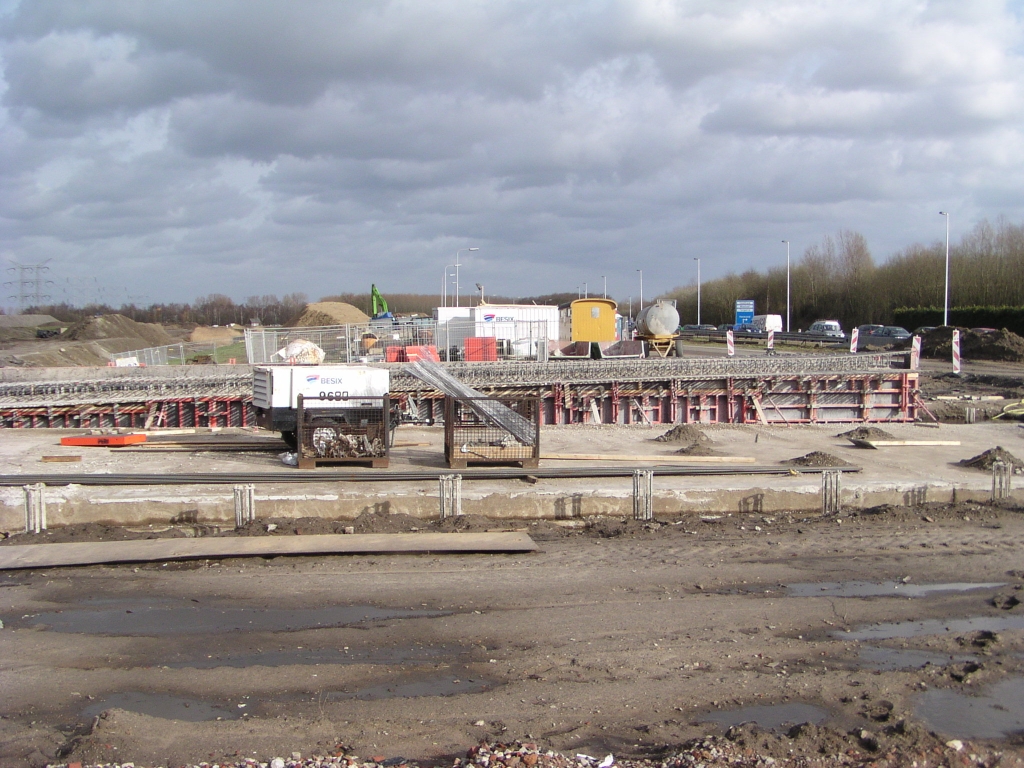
(657, 325)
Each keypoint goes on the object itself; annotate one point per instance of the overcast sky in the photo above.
(175, 149)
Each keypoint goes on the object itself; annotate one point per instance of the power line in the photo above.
(29, 285)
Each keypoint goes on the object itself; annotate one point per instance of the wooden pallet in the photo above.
(461, 462)
(378, 462)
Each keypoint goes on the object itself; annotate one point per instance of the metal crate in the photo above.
(469, 438)
(346, 431)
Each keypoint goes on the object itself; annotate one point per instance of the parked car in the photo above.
(892, 333)
(694, 328)
(827, 328)
(984, 330)
(725, 327)
(868, 329)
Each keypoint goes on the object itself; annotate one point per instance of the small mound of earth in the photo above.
(683, 433)
(988, 458)
(997, 345)
(818, 459)
(867, 433)
(696, 449)
(118, 327)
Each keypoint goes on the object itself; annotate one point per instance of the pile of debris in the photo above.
(994, 345)
(988, 458)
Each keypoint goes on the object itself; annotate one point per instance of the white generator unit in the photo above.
(276, 389)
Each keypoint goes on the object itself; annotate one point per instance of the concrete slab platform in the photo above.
(901, 476)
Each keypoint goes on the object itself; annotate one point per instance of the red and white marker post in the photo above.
(915, 353)
(854, 338)
(771, 341)
(730, 343)
(956, 351)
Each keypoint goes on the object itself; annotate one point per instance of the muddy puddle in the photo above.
(770, 716)
(904, 629)
(163, 706)
(160, 617)
(998, 712)
(300, 656)
(882, 588)
(893, 659)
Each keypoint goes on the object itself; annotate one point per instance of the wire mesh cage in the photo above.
(346, 431)
(492, 430)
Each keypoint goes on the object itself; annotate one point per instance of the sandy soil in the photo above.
(616, 637)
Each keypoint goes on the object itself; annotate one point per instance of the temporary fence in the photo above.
(184, 353)
(393, 340)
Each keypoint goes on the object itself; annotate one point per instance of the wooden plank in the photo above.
(56, 459)
(899, 443)
(672, 458)
(149, 550)
(760, 411)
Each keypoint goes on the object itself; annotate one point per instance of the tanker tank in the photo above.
(658, 320)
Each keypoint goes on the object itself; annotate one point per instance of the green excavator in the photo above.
(380, 305)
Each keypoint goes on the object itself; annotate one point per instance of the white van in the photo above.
(827, 328)
(765, 323)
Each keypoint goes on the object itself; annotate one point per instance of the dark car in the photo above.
(693, 328)
(891, 333)
(984, 330)
(868, 329)
(924, 329)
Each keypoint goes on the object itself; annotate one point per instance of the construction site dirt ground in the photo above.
(892, 632)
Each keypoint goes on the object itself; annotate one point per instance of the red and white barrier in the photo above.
(915, 353)
(730, 343)
(854, 338)
(771, 339)
(956, 351)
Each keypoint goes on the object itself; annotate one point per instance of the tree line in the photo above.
(838, 279)
(218, 309)
(834, 279)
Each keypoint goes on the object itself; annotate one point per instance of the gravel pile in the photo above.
(817, 459)
(683, 433)
(867, 433)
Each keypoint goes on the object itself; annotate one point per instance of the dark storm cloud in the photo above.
(270, 146)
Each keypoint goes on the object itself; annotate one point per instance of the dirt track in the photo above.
(618, 638)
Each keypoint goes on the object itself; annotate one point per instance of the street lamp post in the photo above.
(457, 271)
(641, 290)
(787, 285)
(444, 285)
(945, 304)
(586, 291)
(695, 258)
(603, 277)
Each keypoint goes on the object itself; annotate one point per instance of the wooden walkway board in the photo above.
(661, 459)
(149, 550)
(898, 443)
